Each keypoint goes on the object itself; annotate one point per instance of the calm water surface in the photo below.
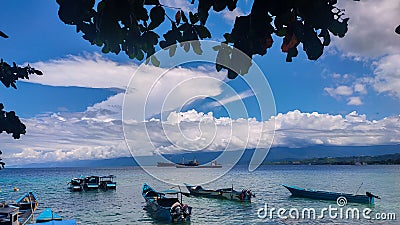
(125, 205)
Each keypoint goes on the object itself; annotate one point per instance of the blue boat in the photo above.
(224, 193)
(27, 205)
(48, 217)
(368, 198)
(27, 201)
(164, 208)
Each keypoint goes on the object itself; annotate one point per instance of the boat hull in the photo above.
(75, 184)
(75, 188)
(198, 167)
(226, 193)
(27, 205)
(329, 196)
(161, 207)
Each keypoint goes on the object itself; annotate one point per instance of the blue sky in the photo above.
(357, 77)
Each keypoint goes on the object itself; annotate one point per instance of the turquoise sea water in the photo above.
(125, 205)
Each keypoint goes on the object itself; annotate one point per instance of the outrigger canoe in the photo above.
(165, 208)
(368, 198)
(224, 193)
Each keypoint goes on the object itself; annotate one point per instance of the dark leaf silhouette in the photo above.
(157, 16)
(3, 34)
(9, 75)
(126, 25)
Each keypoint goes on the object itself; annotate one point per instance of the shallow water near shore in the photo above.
(125, 205)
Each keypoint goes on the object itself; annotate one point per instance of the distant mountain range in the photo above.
(387, 159)
(274, 155)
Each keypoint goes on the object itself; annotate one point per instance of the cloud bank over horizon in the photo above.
(77, 136)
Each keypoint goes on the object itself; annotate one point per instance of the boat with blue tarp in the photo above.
(49, 217)
(169, 209)
(367, 198)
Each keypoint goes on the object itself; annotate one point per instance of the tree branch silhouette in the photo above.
(128, 26)
(9, 121)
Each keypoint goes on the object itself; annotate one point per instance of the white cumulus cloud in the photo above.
(340, 90)
(387, 75)
(72, 136)
(371, 28)
(371, 38)
(354, 101)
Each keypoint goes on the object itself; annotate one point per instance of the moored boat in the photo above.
(49, 217)
(108, 183)
(27, 201)
(368, 198)
(160, 207)
(224, 193)
(75, 184)
(91, 183)
(27, 205)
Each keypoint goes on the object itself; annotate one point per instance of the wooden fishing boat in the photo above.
(160, 207)
(49, 217)
(27, 205)
(27, 201)
(368, 198)
(91, 183)
(76, 184)
(108, 183)
(224, 193)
